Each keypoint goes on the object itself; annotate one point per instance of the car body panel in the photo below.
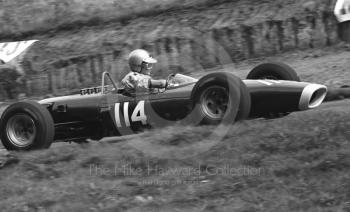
(125, 114)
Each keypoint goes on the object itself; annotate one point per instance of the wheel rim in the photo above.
(214, 102)
(21, 130)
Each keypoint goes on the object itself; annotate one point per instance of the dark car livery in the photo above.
(270, 90)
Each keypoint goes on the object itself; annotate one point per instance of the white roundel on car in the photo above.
(342, 10)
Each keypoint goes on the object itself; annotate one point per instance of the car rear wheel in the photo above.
(26, 126)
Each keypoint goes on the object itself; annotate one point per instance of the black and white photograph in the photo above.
(175, 105)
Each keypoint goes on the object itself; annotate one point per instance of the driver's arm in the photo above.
(157, 83)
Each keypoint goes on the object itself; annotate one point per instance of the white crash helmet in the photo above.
(139, 57)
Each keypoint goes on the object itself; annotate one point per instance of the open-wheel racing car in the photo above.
(270, 90)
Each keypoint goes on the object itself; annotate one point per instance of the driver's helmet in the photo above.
(140, 60)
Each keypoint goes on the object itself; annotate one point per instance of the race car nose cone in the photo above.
(312, 96)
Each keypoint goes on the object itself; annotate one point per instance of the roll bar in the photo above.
(104, 75)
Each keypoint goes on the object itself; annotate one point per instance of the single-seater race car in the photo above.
(270, 90)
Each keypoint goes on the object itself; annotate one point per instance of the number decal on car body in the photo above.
(137, 115)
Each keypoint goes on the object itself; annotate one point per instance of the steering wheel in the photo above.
(170, 77)
(168, 80)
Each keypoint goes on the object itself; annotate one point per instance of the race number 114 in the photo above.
(137, 115)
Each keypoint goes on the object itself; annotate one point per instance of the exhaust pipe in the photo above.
(312, 96)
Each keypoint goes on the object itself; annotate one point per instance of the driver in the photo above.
(139, 79)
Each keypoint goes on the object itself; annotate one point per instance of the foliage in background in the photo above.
(81, 39)
(20, 18)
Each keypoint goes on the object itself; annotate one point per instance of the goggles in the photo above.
(147, 65)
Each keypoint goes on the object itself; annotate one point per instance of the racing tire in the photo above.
(26, 126)
(220, 98)
(274, 71)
